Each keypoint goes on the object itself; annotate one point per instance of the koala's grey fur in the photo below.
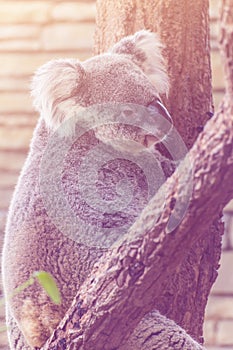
(132, 72)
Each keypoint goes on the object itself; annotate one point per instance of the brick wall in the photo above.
(33, 32)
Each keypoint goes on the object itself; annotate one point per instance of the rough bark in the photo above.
(126, 281)
(184, 29)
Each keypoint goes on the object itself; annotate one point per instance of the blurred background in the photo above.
(33, 32)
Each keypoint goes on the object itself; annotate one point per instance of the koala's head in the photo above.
(133, 71)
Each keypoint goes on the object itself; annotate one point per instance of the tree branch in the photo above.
(184, 31)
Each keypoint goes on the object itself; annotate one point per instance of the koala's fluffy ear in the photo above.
(54, 87)
(144, 48)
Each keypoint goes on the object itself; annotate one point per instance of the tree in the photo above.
(178, 269)
(184, 29)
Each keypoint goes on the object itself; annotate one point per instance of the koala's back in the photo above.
(33, 243)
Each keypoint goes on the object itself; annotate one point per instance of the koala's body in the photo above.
(132, 72)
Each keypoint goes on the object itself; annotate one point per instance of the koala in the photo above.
(133, 75)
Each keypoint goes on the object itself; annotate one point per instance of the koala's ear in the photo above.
(54, 88)
(144, 48)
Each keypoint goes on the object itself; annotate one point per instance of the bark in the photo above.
(127, 280)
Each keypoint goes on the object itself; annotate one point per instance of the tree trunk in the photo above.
(184, 29)
(125, 283)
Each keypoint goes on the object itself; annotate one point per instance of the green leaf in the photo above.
(47, 281)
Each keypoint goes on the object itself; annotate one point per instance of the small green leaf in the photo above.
(47, 281)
